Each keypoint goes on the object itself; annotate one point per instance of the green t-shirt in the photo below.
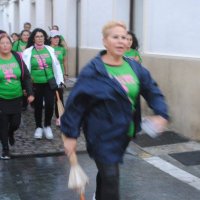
(133, 53)
(10, 83)
(60, 52)
(19, 46)
(130, 83)
(40, 59)
(62, 38)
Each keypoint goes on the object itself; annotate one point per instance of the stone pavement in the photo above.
(45, 178)
(26, 145)
(39, 170)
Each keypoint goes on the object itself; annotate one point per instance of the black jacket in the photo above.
(25, 76)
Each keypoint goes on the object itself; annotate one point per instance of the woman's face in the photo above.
(116, 41)
(39, 39)
(14, 37)
(55, 41)
(129, 40)
(25, 36)
(5, 45)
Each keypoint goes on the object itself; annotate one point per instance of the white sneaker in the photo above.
(48, 133)
(94, 198)
(38, 133)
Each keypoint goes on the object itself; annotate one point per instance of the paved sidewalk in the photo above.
(46, 179)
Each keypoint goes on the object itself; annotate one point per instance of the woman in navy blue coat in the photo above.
(105, 103)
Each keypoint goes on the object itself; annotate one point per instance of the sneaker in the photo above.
(5, 155)
(38, 133)
(48, 133)
(94, 196)
(57, 121)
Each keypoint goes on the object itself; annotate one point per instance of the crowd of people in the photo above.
(28, 62)
(104, 103)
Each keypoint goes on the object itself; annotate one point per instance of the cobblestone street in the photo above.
(26, 145)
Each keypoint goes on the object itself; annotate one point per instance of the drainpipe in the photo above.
(131, 15)
(77, 37)
(52, 13)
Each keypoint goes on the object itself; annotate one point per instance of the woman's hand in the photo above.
(30, 98)
(69, 145)
(159, 122)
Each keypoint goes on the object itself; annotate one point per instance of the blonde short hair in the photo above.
(112, 24)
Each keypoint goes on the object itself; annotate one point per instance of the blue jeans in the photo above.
(107, 181)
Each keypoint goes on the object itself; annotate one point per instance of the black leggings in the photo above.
(9, 124)
(107, 181)
(43, 93)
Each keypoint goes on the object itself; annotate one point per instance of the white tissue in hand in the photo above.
(77, 178)
(150, 128)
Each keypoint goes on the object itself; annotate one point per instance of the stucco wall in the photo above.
(179, 80)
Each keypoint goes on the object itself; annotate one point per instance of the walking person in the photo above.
(14, 76)
(15, 37)
(43, 66)
(132, 47)
(61, 53)
(63, 42)
(20, 45)
(104, 102)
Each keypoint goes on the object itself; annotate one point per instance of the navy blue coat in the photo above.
(100, 105)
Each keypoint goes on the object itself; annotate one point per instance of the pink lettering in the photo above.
(9, 74)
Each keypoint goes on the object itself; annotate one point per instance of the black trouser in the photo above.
(8, 124)
(60, 92)
(43, 93)
(24, 102)
(107, 182)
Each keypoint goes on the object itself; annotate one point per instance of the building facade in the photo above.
(167, 30)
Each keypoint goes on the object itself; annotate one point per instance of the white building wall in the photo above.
(4, 20)
(64, 15)
(172, 27)
(94, 14)
(24, 12)
(40, 15)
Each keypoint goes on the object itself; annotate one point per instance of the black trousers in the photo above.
(43, 93)
(107, 181)
(9, 124)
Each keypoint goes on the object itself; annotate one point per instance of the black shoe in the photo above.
(5, 155)
(11, 139)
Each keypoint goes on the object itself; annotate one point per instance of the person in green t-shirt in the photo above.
(132, 47)
(13, 76)
(104, 103)
(63, 42)
(20, 44)
(44, 66)
(15, 37)
(61, 53)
